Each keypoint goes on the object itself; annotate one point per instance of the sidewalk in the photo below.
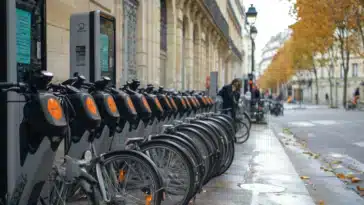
(261, 174)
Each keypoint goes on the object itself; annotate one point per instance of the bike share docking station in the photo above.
(23, 41)
(92, 54)
(92, 50)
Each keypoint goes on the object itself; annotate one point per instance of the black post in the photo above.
(253, 49)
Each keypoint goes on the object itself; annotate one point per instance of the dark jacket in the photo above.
(357, 92)
(230, 98)
(256, 93)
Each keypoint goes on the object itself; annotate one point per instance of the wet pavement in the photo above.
(288, 106)
(326, 148)
(261, 174)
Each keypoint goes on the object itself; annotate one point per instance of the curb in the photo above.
(345, 169)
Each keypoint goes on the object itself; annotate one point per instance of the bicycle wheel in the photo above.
(176, 168)
(247, 120)
(229, 125)
(230, 147)
(208, 134)
(214, 134)
(243, 132)
(60, 193)
(204, 146)
(130, 177)
(95, 196)
(192, 152)
(229, 120)
(220, 138)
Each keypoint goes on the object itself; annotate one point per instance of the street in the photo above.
(333, 141)
(328, 130)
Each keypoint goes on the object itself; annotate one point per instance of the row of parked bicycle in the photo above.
(121, 146)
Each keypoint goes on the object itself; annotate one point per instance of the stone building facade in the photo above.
(355, 79)
(174, 43)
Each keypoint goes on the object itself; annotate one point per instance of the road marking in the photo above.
(360, 144)
(325, 122)
(302, 124)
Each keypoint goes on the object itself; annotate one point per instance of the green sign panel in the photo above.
(104, 52)
(23, 36)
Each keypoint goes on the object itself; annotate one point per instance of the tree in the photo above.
(325, 22)
(333, 57)
(343, 15)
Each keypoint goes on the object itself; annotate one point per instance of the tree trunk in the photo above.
(342, 55)
(316, 86)
(345, 89)
(331, 98)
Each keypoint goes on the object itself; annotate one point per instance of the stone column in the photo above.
(149, 35)
(119, 41)
(171, 44)
(202, 60)
(207, 58)
(179, 49)
(188, 55)
(211, 52)
(156, 15)
(196, 60)
(141, 47)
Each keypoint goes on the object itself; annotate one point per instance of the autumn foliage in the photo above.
(315, 31)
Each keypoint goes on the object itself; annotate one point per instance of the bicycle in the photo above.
(110, 179)
(43, 127)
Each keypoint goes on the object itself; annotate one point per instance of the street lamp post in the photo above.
(251, 16)
(253, 35)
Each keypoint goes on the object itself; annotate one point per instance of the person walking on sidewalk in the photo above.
(356, 96)
(230, 95)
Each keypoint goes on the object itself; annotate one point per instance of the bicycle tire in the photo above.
(95, 196)
(228, 125)
(245, 137)
(192, 152)
(205, 148)
(182, 153)
(222, 141)
(215, 150)
(148, 164)
(228, 119)
(230, 155)
(214, 134)
(248, 119)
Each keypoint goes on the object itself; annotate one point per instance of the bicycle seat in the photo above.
(103, 82)
(41, 79)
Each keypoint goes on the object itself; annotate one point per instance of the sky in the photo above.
(273, 17)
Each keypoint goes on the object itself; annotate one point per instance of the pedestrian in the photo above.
(255, 96)
(280, 97)
(230, 95)
(356, 96)
(327, 98)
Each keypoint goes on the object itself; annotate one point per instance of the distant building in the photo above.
(171, 43)
(270, 49)
(355, 78)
